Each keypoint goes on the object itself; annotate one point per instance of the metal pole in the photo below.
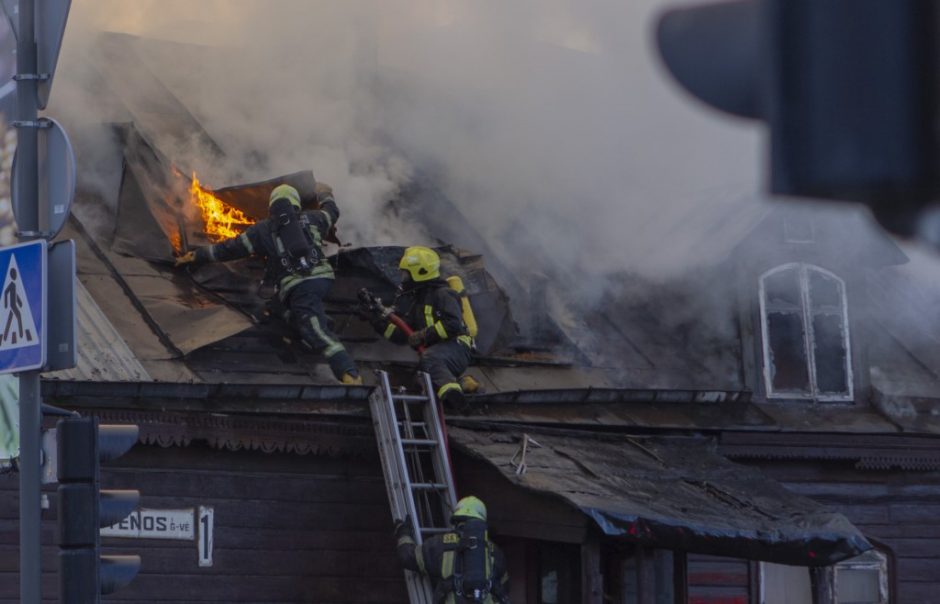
(27, 178)
(30, 490)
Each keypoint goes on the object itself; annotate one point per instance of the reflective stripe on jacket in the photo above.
(260, 240)
(432, 307)
(435, 558)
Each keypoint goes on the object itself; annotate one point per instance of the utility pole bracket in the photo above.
(42, 123)
(34, 234)
(42, 77)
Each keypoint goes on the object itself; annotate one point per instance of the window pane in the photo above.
(550, 587)
(824, 292)
(631, 589)
(829, 343)
(786, 584)
(559, 572)
(788, 367)
(665, 592)
(858, 586)
(782, 290)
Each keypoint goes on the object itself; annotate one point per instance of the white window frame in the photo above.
(803, 271)
(880, 564)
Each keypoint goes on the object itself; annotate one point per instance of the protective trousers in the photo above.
(445, 362)
(305, 301)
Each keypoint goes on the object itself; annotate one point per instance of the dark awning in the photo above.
(672, 493)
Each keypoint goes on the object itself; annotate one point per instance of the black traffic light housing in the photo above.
(848, 89)
(84, 574)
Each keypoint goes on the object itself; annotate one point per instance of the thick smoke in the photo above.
(548, 123)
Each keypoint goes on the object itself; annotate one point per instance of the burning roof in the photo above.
(194, 314)
(638, 335)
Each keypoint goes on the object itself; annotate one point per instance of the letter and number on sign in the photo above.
(181, 525)
(206, 516)
(155, 524)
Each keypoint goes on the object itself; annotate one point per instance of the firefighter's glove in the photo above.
(365, 313)
(379, 324)
(374, 317)
(403, 529)
(418, 338)
(187, 258)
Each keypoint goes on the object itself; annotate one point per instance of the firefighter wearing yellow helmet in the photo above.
(463, 564)
(429, 305)
(290, 243)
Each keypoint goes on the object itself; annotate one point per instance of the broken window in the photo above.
(805, 334)
(861, 580)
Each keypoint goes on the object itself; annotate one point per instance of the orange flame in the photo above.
(176, 242)
(222, 220)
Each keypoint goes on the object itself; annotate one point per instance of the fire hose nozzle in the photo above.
(372, 303)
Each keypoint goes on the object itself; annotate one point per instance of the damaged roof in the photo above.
(674, 493)
(644, 342)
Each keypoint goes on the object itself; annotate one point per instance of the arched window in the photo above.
(804, 327)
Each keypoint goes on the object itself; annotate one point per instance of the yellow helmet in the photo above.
(469, 507)
(421, 262)
(285, 192)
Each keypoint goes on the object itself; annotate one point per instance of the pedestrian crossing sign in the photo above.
(23, 307)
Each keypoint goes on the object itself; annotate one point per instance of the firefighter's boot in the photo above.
(470, 385)
(351, 380)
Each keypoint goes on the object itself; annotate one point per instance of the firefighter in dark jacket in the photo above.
(463, 564)
(290, 243)
(433, 310)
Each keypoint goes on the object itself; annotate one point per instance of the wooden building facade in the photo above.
(782, 349)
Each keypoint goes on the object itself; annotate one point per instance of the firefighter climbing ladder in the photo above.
(413, 448)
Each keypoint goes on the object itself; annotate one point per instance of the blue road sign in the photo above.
(23, 307)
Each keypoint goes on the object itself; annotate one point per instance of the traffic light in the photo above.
(848, 89)
(84, 574)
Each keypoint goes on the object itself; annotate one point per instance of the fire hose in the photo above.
(374, 306)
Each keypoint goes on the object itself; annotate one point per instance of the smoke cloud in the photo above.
(547, 122)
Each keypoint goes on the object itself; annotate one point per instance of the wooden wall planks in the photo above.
(287, 528)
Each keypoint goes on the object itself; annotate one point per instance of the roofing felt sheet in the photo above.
(673, 493)
(195, 307)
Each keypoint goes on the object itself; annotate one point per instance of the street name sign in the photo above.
(155, 524)
(23, 307)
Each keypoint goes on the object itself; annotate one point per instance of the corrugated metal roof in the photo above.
(103, 355)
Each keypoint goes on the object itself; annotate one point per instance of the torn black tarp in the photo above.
(672, 493)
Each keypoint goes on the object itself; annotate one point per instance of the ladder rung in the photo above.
(409, 397)
(428, 486)
(419, 441)
(403, 423)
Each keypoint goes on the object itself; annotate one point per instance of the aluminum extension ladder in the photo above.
(415, 459)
